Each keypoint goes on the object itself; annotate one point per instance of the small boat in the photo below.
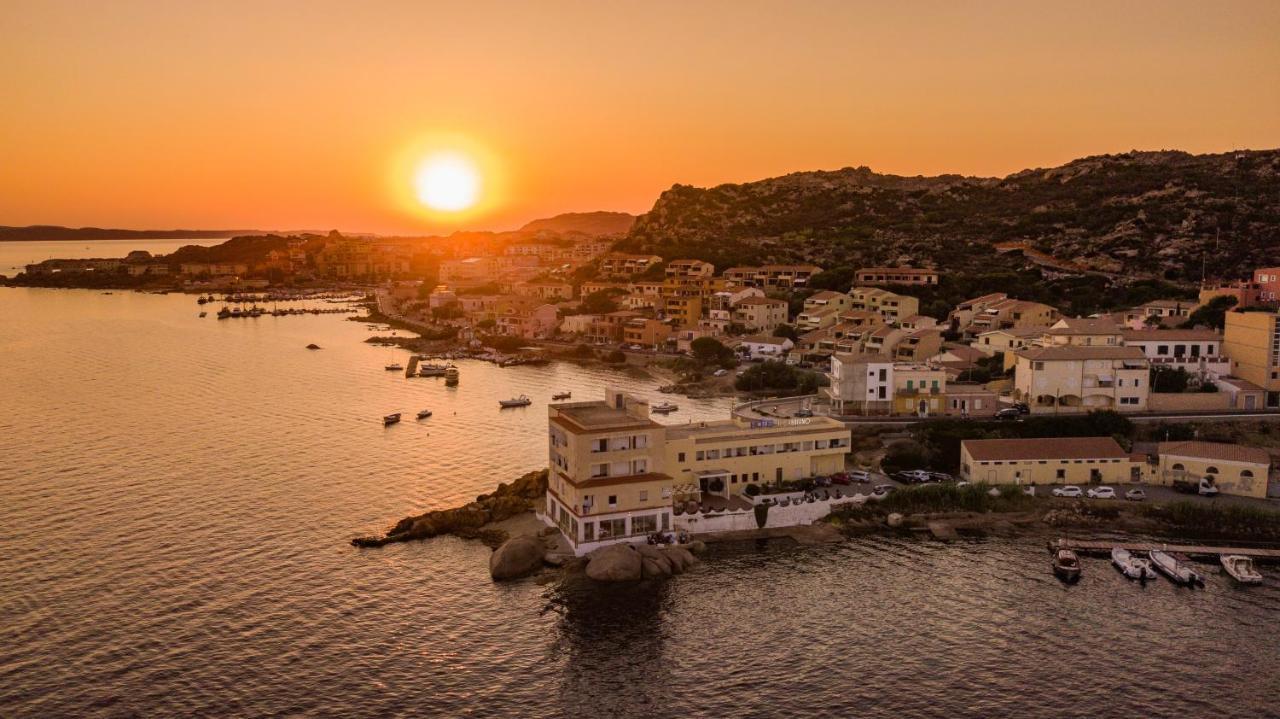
(224, 313)
(390, 419)
(1240, 568)
(1175, 568)
(201, 301)
(432, 370)
(451, 373)
(394, 367)
(203, 314)
(423, 414)
(1138, 568)
(1066, 565)
(561, 395)
(521, 401)
(664, 408)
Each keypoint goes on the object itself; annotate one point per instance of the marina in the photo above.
(1197, 551)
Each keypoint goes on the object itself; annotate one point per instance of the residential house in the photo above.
(543, 290)
(1159, 313)
(1199, 352)
(1087, 331)
(1078, 379)
(689, 269)
(890, 306)
(860, 384)
(822, 310)
(918, 346)
(765, 347)
(526, 317)
(618, 264)
(609, 328)
(918, 389)
(772, 276)
(1251, 340)
(759, 314)
(1011, 314)
(647, 333)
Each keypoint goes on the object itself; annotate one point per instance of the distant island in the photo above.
(56, 233)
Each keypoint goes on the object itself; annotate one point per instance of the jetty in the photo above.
(1103, 548)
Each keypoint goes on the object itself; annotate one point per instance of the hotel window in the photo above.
(666, 521)
(599, 445)
(1062, 474)
(644, 495)
(700, 456)
(599, 470)
(680, 457)
(644, 524)
(713, 454)
(613, 528)
(613, 500)
(588, 531)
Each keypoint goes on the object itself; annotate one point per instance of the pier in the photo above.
(1103, 548)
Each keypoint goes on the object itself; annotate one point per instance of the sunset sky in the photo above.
(282, 115)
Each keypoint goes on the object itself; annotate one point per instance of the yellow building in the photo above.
(1056, 460)
(1251, 340)
(1073, 378)
(919, 389)
(606, 482)
(892, 307)
(1233, 468)
(721, 458)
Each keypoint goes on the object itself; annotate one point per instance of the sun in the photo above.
(448, 182)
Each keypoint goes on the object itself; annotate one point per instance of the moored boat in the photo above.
(1066, 565)
(664, 408)
(394, 367)
(432, 370)
(1240, 568)
(561, 395)
(203, 314)
(521, 401)
(1131, 566)
(423, 414)
(1175, 568)
(390, 419)
(451, 373)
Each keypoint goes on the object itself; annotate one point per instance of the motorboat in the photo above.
(664, 408)
(451, 374)
(1133, 567)
(1175, 568)
(224, 313)
(432, 370)
(204, 314)
(423, 414)
(390, 419)
(1066, 565)
(394, 367)
(521, 401)
(561, 395)
(1240, 568)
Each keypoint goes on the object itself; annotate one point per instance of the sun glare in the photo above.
(448, 182)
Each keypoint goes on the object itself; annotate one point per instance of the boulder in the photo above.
(615, 563)
(651, 569)
(680, 559)
(659, 558)
(894, 520)
(313, 346)
(517, 557)
(697, 546)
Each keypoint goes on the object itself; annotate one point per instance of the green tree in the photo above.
(905, 454)
(786, 331)
(711, 351)
(1213, 314)
(1169, 379)
(600, 303)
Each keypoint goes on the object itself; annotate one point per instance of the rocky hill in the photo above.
(587, 223)
(1152, 215)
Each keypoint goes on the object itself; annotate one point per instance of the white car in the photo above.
(720, 372)
(1102, 493)
(1068, 492)
(1135, 495)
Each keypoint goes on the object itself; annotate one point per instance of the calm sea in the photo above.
(176, 496)
(15, 256)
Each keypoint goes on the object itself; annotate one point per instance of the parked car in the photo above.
(913, 476)
(1208, 488)
(940, 477)
(806, 412)
(840, 478)
(883, 488)
(1021, 407)
(1135, 495)
(1008, 413)
(1068, 492)
(720, 372)
(822, 481)
(1102, 493)
(860, 476)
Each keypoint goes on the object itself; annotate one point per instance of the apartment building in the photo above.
(1059, 460)
(772, 276)
(647, 333)
(1011, 314)
(895, 276)
(526, 317)
(1160, 313)
(759, 314)
(618, 264)
(609, 328)
(1251, 340)
(689, 269)
(890, 306)
(918, 346)
(606, 482)
(1007, 341)
(1087, 331)
(543, 290)
(918, 389)
(1199, 352)
(1078, 379)
(822, 310)
(860, 384)
(469, 272)
(722, 458)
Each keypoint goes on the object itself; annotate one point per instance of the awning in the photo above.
(708, 473)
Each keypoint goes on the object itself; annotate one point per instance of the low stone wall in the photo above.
(789, 516)
(1188, 401)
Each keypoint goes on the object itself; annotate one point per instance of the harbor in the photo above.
(1197, 551)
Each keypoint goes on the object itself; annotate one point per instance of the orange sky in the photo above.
(286, 115)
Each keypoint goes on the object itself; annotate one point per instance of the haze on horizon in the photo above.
(148, 114)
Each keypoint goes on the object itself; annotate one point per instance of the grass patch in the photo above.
(935, 498)
(1219, 519)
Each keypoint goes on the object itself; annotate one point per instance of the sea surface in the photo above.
(176, 500)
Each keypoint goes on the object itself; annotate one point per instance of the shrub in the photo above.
(905, 454)
(615, 357)
(752, 490)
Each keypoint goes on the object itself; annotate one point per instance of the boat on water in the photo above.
(432, 370)
(423, 414)
(390, 419)
(561, 395)
(1175, 568)
(202, 314)
(451, 375)
(224, 313)
(521, 401)
(664, 408)
(1066, 565)
(1131, 566)
(201, 301)
(1240, 568)
(394, 367)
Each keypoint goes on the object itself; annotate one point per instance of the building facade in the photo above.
(1059, 460)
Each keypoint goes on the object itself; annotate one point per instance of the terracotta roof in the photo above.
(760, 301)
(1171, 335)
(1216, 450)
(848, 358)
(1081, 352)
(1084, 326)
(984, 450)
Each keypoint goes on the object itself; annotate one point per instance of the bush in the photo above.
(775, 375)
(615, 357)
(752, 490)
(583, 351)
(503, 343)
(905, 454)
(711, 351)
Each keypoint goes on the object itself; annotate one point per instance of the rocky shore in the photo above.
(469, 521)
